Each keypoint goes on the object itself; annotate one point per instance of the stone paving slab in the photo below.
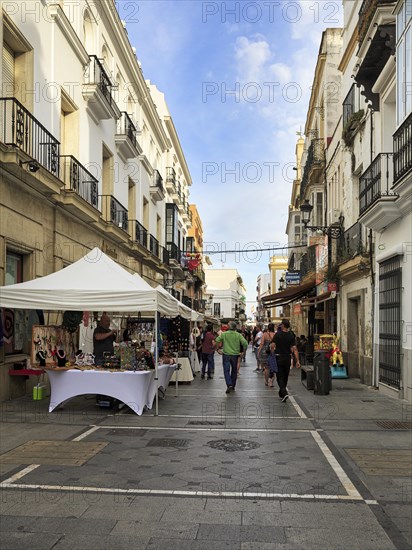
(341, 539)
(244, 533)
(23, 541)
(165, 530)
(101, 542)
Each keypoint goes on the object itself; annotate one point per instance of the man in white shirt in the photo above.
(256, 344)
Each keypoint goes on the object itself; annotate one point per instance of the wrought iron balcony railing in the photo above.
(154, 246)
(113, 211)
(18, 127)
(171, 176)
(96, 74)
(376, 181)
(140, 234)
(164, 255)
(308, 262)
(187, 301)
(402, 147)
(157, 179)
(126, 126)
(174, 252)
(315, 158)
(351, 243)
(77, 178)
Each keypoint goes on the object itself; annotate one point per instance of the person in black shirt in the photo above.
(285, 345)
(103, 339)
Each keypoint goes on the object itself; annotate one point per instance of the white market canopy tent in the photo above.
(93, 283)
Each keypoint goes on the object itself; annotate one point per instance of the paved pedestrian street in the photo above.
(211, 471)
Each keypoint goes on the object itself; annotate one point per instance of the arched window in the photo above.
(88, 32)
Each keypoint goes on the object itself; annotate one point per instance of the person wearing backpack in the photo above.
(263, 353)
(232, 341)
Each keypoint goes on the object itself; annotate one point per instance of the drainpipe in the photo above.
(371, 140)
(375, 322)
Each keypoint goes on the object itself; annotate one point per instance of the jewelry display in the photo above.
(61, 358)
(84, 359)
(41, 356)
(49, 340)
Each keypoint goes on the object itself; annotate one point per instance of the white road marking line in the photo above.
(224, 417)
(337, 468)
(85, 434)
(297, 408)
(203, 494)
(371, 502)
(19, 475)
(195, 429)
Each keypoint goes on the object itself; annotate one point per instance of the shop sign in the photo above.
(332, 287)
(321, 261)
(319, 314)
(292, 278)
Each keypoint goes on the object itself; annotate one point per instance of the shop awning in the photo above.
(289, 295)
(319, 299)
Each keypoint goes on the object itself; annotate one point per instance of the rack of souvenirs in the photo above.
(53, 345)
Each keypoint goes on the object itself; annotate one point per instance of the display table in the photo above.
(194, 360)
(129, 387)
(164, 374)
(185, 373)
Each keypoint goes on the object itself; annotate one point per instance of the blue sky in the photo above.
(236, 77)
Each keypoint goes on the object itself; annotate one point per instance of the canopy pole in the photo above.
(156, 354)
(177, 374)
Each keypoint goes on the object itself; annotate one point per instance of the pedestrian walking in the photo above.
(208, 353)
(256, 344)
(232, 341)
(263, 353)
(285, 346)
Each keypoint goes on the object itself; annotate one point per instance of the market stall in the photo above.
(93, 283)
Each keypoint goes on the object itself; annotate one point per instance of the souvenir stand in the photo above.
(93, 283)
(189, 316)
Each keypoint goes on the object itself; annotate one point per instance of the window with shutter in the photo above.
(8, 72)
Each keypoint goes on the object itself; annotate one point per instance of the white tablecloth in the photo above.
(164, 375)
(128, 387)
(185, 374)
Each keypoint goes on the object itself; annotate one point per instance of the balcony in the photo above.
(377, 201)
(353, 256)
(315, 163)
(140, 234)
(186, 301)
(154, 246)
(80, 195)
(157, 190)
(175, 256)
(20, 129)
(97, 91)
(402, 147)
(164, 255)
(114, 213)
(366, 15)
(176, 197)
(199, 273)
(377, 24)
(308, 263)
(126, 137)
(170, 179)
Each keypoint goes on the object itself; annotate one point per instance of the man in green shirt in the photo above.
(232, 342)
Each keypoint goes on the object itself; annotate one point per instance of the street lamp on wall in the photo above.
(333, 231)
(168, 283)
(281, 284)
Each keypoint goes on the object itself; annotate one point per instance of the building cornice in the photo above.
(178, 148)
(57, 14)
(349, 51)
(111, 18)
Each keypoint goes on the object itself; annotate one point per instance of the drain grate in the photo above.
(394, 425)
(168, 443)
(62, 453)
(205, 423)
(368, 400)
(232, 445)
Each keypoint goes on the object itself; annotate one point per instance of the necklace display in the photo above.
(42, 358)
(61, 358)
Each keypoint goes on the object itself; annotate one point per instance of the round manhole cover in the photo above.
(231, 445)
